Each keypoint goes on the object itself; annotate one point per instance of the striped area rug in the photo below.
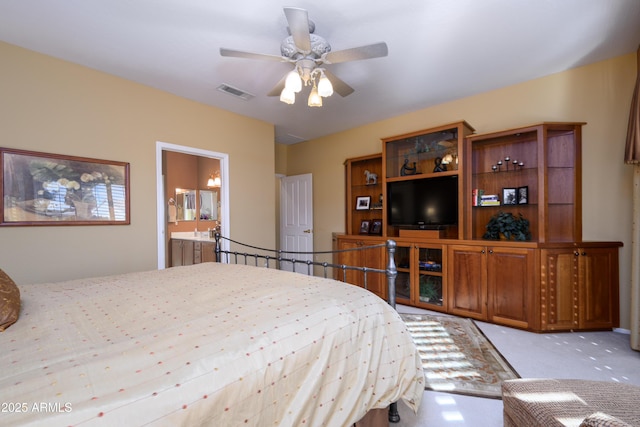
(457, 357)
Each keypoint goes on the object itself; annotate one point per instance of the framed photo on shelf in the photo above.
(364, 226)
(55, 189)
(376, 227)
(363, 203)
(509, 196)
(523, 195)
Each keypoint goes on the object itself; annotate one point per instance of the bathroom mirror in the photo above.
(208, 205)
(185, 204)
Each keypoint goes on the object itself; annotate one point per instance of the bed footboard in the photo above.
(302, 262)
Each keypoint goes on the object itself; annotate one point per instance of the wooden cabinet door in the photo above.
(208, 252)
(510, 286)
(579, 288)
(559, 289)
(598, 299)
(182, 252)
(188, 257)
(176, 253)
(467, 281)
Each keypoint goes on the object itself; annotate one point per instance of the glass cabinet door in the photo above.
(430, 276)
(403, 280)
(423, 153)
(420, 282)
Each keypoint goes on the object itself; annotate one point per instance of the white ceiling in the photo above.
(439, 50)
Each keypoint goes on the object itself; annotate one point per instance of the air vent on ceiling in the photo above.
(235, 92)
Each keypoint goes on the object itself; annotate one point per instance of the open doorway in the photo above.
(163, 202)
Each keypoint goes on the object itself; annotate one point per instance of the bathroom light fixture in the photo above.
(214, 182)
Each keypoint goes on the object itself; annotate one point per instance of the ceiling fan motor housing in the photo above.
(319, 46)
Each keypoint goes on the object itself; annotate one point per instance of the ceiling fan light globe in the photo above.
(287, 96)
(325, 88)
(293, 82)
(315, 100)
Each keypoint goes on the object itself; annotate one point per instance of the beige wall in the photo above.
(54, 106)
(599, 94)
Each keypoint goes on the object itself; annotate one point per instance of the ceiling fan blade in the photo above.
(249, 55)
(376, 50)
(339, 86)
(277, 90)
(298, 20)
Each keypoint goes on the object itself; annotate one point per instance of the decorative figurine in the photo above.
(372, 178)
(440, 167)
(406, 169)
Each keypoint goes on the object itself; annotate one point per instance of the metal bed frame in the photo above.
(280, 260)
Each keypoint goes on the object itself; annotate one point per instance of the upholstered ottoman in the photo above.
(558, 402)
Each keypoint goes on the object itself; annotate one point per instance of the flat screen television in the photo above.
(428, 203)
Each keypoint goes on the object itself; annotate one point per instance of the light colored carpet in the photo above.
(457, 357)
(602, 355)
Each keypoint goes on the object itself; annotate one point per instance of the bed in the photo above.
(214, 344)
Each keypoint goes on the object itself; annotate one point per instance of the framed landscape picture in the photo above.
(53, 189)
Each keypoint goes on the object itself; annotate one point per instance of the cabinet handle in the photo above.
(584, 254)
(490, 251)
(482, 251)
(576, 253)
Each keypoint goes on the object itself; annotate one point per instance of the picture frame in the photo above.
(376, 227)
(54, 189)
(363, 203)
(365, 224)
(523, 195)
(509, 196)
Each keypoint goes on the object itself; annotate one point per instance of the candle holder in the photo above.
(516, 164)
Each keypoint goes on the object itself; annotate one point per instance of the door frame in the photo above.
(160, 191)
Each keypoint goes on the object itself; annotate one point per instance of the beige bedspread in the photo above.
(209, 344)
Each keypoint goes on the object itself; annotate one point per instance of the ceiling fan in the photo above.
(309, 52)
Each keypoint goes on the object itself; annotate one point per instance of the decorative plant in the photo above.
(430, 291)
(509, 225)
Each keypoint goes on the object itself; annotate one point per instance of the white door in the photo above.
(296, 219)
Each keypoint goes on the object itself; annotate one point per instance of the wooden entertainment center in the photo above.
(554, 281)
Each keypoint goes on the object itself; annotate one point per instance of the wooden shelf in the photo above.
(554, 282)
(551, 172)
(357, 186)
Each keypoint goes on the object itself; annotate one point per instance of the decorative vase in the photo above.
(83, 209)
